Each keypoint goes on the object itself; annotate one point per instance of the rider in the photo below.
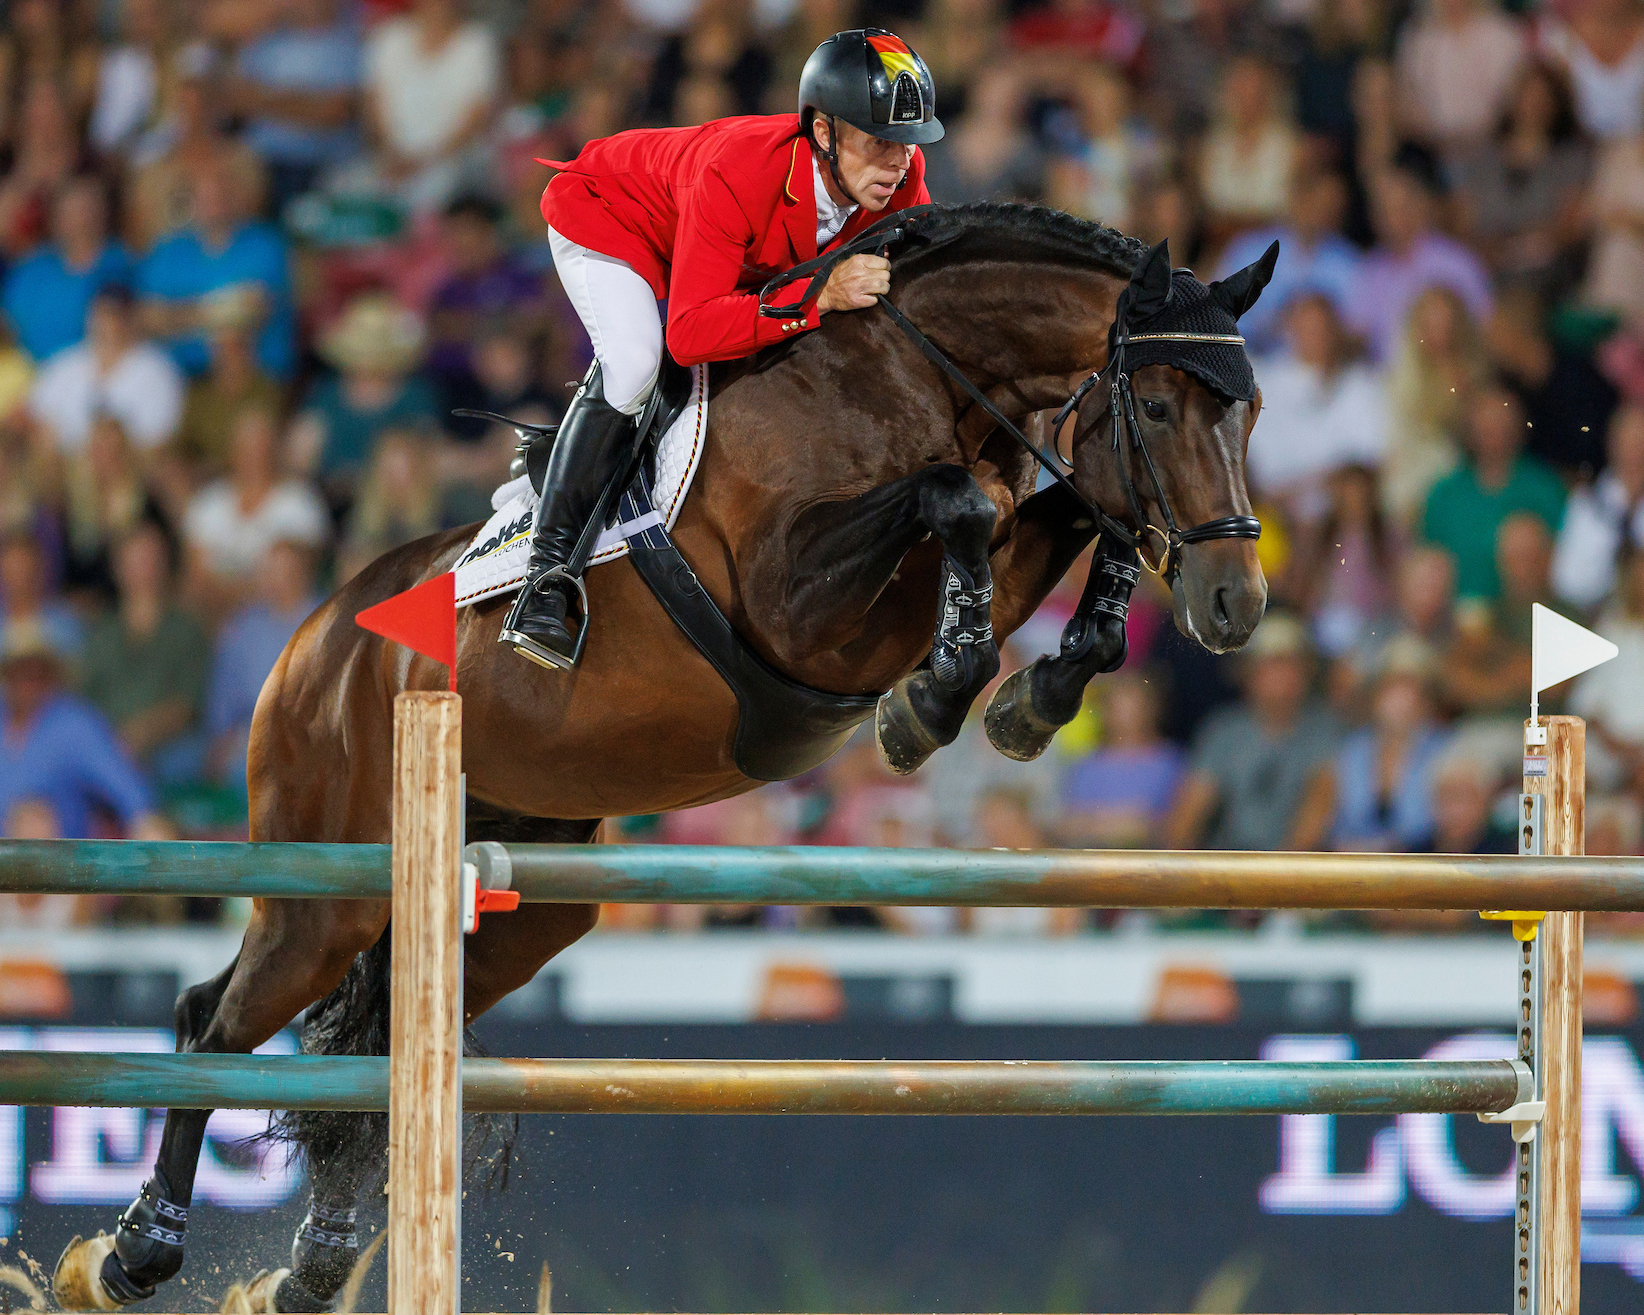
(703, 217)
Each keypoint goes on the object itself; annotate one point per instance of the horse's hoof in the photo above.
(256, 1297)
(1013, 727)
(903, 740)
(77, 1282)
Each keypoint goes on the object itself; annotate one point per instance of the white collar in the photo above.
(830, 217)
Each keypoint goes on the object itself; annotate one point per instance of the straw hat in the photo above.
(228, 310)
(24, 639)
(1279, 635)
(1407, 656)
(375, 334)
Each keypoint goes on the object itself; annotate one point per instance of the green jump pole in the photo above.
(706, 874)
(645, 1086)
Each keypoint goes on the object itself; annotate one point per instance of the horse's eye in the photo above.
(1155, 410)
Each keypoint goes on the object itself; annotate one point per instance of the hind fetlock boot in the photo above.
(594, 442)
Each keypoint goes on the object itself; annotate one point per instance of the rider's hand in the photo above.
(854, 284)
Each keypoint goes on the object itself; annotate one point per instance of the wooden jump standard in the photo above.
(424, 1084)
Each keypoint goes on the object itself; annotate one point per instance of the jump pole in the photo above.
(425, 1022)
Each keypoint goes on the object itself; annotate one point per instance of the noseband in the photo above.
(1121, 405)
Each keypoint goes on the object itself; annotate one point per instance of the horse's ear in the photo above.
(1150, 284)
(1237, 293)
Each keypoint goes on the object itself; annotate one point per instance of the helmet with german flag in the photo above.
(874, 81)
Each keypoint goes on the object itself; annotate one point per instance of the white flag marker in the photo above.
(1559, 649)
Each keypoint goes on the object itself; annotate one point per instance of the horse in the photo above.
(846, 483)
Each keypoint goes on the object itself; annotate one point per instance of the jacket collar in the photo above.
(799, 203)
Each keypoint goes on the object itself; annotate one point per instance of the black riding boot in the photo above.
(593, 443)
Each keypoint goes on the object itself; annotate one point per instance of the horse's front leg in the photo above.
(1026, 711)
(927, 710)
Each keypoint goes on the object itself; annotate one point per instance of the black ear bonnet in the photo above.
(1168, 317)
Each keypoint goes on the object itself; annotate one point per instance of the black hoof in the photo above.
(1013, 726)
(904, 741)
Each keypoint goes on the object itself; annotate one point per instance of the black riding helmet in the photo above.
(872, 80)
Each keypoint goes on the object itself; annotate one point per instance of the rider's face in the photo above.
(872, 169)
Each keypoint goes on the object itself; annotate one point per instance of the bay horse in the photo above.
(842, 473)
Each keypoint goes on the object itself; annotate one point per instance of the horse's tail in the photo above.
(347, 1152)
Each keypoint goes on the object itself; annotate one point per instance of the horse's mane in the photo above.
(991, 229)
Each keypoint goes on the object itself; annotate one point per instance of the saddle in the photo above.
(784, 728)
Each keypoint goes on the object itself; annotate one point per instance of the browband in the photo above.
(1232, 338)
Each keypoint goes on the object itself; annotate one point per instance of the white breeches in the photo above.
(619, 310)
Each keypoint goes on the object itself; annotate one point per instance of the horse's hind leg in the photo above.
(292, 955)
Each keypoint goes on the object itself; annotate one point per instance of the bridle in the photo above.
(1121, 404)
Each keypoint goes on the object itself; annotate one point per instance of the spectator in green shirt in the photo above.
(145, 662)
(1465, 509)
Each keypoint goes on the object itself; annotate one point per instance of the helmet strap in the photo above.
(831, 155)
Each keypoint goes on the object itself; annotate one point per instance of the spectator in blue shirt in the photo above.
(1317, 258)
(221, 254)
(298, 87)
(247, 649)
(58, 749)
(45, 295)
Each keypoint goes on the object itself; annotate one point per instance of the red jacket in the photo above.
(706, 216)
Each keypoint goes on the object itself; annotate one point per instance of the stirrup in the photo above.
(529, 648)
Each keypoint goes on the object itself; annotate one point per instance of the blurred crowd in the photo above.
(253, 253)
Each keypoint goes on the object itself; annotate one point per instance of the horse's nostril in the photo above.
(1218, 609)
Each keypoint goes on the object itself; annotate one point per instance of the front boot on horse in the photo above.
(1026, 711)
(594, 441)
(105, 1273)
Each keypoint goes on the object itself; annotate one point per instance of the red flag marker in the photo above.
(423, 619)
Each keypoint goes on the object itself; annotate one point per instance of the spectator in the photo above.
(46, 40)
(1007, 820)
(375, 347)
(297, 84)
(129, 78)
(1321, 410)
(1607, 696)
(504, 382)
(247, 648)
(1423, 605)
(58, 749)
(1567, 400)
(432, 83)
(232, 523)
(145, 664)
(1250, 153)
(190, 140)
(46, 295)
(1091, 31)
(1317, 258)
(1601, 45)
(233, 383)
(1464, 795)
(26, 597)
(1341, 36)
(1440, 365)
(115, 371)
(1466, 508)
(221, 254)
(1346, 570)
(107, 497)
(1118, 795)
(1382, 779)
(1615, 270)
(1411, 255)
(485, 282)
(36, 819)
(46, 153)
(988, 153)
(399, 501)
(1443, 108)
(1522, 192)
(1603, 518)
(1487, 668)
(1254, 763)
(720, 56)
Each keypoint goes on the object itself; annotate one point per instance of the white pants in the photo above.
(619, 311)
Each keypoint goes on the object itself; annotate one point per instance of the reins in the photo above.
(1121, 404)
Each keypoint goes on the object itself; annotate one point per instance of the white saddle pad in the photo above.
(495, 561)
